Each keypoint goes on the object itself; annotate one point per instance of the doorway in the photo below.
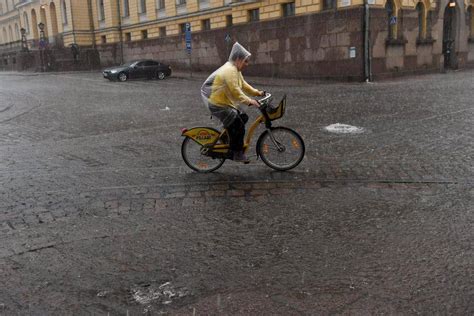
(449, 36)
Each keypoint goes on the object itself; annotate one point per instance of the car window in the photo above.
(151, 63)
(140, 64)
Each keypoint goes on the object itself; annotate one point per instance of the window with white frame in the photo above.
(142, 6)
(64, 11)
(160, 4)
(126, 8)
(203, 4)
(26, 22)
(206, 24)
(470, 20)
(182, 28)
(288, 9)
(162, 31)
(329, 4)
(17, 32)
(392, 19)
(101, 10)
(180, 2)
(253, 15)
(424, 21)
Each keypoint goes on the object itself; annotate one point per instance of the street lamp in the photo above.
(24, 44)
(41, 44)
(41, 27)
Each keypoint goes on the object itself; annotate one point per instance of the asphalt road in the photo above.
(99, 215)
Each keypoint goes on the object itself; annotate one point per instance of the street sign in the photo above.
(393, 20)
(227, 38)
(187, 37)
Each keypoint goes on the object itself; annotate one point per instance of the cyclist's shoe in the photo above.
(239, 156)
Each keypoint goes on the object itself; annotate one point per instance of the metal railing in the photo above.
(10, 47)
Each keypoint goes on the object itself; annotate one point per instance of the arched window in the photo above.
(26, 22)
(101, 10)
(17, 32)
(10, 34)
(421, 10)
(142, 6)
(470, 20)
(126, 8)
(5, 36)
(64, 11)
(392, 19)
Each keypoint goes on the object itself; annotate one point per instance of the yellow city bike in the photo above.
(205, 149)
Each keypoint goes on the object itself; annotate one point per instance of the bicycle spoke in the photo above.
(283, 149)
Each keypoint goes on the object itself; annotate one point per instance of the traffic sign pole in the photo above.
(188, 40)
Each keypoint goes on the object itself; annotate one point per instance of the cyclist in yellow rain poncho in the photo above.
(224, 91)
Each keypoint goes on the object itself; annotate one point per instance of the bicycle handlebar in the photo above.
(265, 98)
(263, 108)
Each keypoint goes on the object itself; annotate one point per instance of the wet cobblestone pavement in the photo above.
(99, 215)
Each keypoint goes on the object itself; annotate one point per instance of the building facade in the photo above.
(340, 39)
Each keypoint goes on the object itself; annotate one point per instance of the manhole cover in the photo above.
(339, 128)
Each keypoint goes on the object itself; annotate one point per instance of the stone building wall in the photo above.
(311, 46)
(405, 55)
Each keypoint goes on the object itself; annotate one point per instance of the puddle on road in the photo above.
(163, 294)
(339, 128)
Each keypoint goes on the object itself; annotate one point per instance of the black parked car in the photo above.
(144, 68)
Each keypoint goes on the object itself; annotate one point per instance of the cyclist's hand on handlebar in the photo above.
(254, 103)
(262, 93)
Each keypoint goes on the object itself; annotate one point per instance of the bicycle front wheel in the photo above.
(193, 157)
(281, 149)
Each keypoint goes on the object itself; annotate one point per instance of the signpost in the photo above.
(187, 37)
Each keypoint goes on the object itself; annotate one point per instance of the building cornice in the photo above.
(171, 18)
(4, 19)
(25, 3)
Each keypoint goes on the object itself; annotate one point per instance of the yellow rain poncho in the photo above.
(225, 89)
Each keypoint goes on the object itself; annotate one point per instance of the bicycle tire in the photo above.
(191, 154)
(281, 160)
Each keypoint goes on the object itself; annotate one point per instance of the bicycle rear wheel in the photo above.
(284, 152)
(192, 156)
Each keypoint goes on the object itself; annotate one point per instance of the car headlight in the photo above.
(113, 71)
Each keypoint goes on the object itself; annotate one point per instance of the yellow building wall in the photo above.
(81, 30)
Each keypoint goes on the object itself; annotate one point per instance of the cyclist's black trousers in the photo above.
(236, 134)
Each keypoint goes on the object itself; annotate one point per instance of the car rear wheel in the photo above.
(122, 77)
(160, 75)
